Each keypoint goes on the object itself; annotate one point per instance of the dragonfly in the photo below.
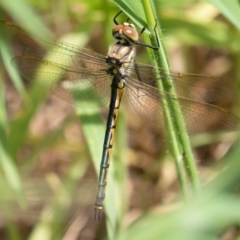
(98, 80)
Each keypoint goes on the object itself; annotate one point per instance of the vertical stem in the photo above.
(180, 145)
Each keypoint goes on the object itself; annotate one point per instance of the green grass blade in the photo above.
(230, 9)
(177, 134)
(134, 11)
(7, 163)
(6, 58)
(202, 219)
(21, 12)
(213, 212)
(94, 131)
(177, 150)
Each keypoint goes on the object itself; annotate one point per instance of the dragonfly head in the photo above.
(126, 33)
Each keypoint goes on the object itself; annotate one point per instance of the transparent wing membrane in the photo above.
(199, 87)
(199, 117)
(73, 74)
(90, 87)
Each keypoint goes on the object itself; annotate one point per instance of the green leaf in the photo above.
(230, 9)
(21, 12)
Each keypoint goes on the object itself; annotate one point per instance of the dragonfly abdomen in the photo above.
(117, 88)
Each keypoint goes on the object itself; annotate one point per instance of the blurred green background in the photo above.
(50, 150)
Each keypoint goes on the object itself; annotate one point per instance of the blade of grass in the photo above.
(21, 12)
(6, 58)
(177, 134)
(7, 162)
(174, 140)
(207, 216)
(179, 143)
(94, 131)
(230, 9)
(134, 11)
(214, 211)
(174, 143)
(120, 168)
(116, 200)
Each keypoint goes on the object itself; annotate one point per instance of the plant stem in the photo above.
(180, 146)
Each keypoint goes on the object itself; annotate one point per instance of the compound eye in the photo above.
(117, 29)
(130, 32)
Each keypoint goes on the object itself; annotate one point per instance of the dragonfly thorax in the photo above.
(119, 59)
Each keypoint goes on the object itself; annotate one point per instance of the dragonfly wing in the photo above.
(61, 52)
(201, 88)
(73, 84)
(203, 117)
(62, 68)
(199, 117)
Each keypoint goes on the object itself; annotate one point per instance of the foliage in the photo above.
(47, 178)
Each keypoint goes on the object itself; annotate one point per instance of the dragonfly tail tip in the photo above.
(98, 213)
